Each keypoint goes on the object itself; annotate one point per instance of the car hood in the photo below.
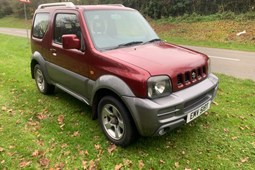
(160, 58)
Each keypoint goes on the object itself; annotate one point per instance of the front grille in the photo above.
(192, 76)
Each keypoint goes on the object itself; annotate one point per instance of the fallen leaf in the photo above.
(24, 164)
(118, 167)
(76, 133)
(17, 121)
(40, 142)
(60, 119)
(161, 161)
(234, 137)
(187, 168)
(82, 152)
(215, 103)
(226, 130)
(41, 116)
(97, 146)
(59, 166)
(66, 153)
(1, 149)
(84, 164)
(111, 148)
(245, 159)
(127, 163)
(92, 165)
(64, 145)
(4, 108)
(11, 147)
(44, 162)
(176, 164)
(141, 164)
(242, 128)
(35, 153)
(61, 126)
(10, 111)
(2, 161)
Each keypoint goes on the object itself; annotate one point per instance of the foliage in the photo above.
(5, 8)
(56, 132)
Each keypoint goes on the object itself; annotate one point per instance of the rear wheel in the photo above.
(116, 121)
(41, 82)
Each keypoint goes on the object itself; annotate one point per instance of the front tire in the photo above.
(41, 82)
(116, 121)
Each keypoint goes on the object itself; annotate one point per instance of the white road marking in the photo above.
(225, 58)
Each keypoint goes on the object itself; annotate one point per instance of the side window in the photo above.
(65, 24)
(40, 26)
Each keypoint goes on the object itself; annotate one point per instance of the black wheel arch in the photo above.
(37, 58)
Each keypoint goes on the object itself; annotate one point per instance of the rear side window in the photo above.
(40, 26)
(66, 24)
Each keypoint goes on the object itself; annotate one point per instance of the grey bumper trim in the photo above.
(169, 112)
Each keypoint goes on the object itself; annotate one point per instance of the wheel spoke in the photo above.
(121, 124)
(118, 133)
(107, 112)
(108, 125)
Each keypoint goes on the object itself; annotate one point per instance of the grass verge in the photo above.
(13, 22)
(56, 131)
(208, 43)
(217, 34)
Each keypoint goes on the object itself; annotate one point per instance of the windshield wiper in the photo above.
(124, 45)
(153, 40)
(130, 43)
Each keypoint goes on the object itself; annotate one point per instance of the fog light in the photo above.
(161, 132)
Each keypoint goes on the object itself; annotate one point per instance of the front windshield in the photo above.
(111, 29)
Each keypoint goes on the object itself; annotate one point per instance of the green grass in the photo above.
(208, 43)
(12, 22)
(39, 131)
(189, 18)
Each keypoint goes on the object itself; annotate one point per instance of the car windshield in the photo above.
(111, 29)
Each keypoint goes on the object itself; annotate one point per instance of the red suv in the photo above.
(110, 58)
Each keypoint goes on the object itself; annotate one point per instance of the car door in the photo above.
(68, 67)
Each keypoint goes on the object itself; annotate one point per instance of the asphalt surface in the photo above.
(239, 64)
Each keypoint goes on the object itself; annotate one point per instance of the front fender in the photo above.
(113, 84)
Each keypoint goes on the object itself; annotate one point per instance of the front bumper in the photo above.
(155, 117)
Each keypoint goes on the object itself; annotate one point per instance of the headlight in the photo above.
(209, 65)
(158, 87)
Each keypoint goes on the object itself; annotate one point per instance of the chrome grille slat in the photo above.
(190, 77)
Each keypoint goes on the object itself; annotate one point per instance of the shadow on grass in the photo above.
(185, 133)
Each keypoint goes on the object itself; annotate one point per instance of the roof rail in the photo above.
(120, 5)
(65, 4)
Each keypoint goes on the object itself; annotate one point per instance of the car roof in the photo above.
(70, 5)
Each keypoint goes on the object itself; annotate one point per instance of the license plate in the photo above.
(196, 113)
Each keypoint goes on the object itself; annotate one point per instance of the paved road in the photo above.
(239, 64)
(15, 31)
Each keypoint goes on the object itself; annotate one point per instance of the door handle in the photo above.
(53, 51)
